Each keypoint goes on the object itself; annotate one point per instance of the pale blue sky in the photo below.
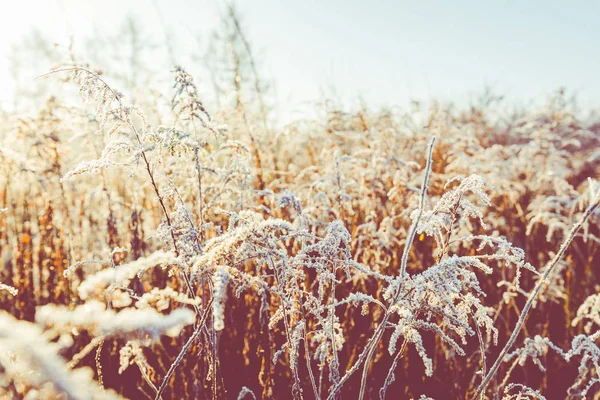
(385, 51)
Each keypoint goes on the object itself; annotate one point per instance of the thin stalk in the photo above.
(335, 373)
(413, 231)
(389, 378)
(533, 296)
(368, 351)
(294, 368)
(403, 274)
(310, 372)
(182, 352)
(186, 279)
(200, 205)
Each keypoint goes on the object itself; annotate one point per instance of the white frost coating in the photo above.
(220, 279)
(589, 312)
(27, 357)
(9, 289)
(94, 318)
(122, 274)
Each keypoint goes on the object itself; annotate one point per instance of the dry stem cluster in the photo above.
(428, 254)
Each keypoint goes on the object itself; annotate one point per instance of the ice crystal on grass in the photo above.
(589, 312)
(27, 358)
(13, 291)
(220, 278)
(96, 319)
(585, 347)
(114, 147)
(96, 284)
(454, 205)
(186, 100)
(533, 349)
(516, 391)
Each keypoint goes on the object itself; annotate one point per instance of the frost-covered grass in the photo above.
(162, 251)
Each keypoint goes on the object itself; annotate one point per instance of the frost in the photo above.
(96, 319)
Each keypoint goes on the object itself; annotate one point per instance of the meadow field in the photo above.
(165, 248)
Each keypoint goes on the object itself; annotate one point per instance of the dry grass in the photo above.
(186, 255)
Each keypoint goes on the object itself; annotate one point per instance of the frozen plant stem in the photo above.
(308, 366)
(186, 279)
(336, 363)
(370, 347)
(126, 116)
(297, 388)
(533, 295)
(200, 205)
(403, 273)
(390, 376)
(184, 350)
(413, 231)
